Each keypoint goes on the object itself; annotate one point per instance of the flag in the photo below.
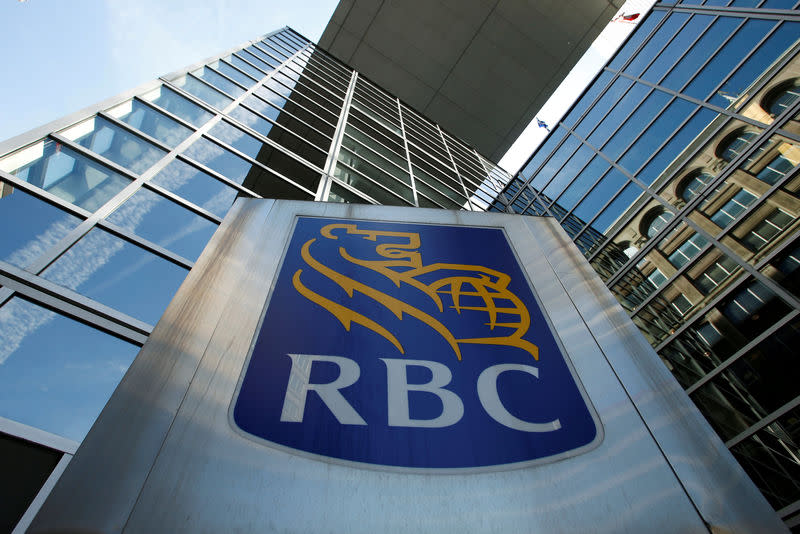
(541, 124)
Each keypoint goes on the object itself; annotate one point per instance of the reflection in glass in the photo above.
(118, 274)
(118, 145)
(37, 226)
(217, 158)
(196, 186)
(147, 120)
(56, 373)
(207, 94)
(65, 173)
(785, 97)
(167, 99)
(217, 80)
(158, 219)
(735, 145)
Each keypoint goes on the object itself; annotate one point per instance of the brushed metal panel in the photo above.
(163, 457)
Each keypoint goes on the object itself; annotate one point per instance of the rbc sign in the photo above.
(410, 346)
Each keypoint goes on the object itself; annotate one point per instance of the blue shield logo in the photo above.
(409, 346)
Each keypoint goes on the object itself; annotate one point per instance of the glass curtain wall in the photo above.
(106, 214)
(676, 174)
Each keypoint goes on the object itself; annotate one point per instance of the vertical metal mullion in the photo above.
(455, 168)
(324, 187)
(408, 153)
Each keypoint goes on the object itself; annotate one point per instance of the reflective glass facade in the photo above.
(676, 173)
(104, 215)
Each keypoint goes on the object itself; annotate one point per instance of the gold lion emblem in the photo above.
(402, 264)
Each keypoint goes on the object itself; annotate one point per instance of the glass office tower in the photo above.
(676, 173)
(105, 212)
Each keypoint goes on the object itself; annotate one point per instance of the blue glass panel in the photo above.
(257, 60)
(779, 4)
(544, 150)
(196, 186)
(247, 117)
(147, 120)
(675, 146)
(116, 144)
(654, 45)
(36, 225)
(165, 223)
(119, 274)
(265, 57)
(238, 76)
(650, 139)
(632, 126)
(588, 97)
(636, 38)
(552, 166)
(167, 99)
(207, 94)
(618, 114)
(66, 174)
(602, 193)
(217, 158)
(672, 52)
(274, 49)
(218, 81)
(568, 172)
(777, 43)
(257, 103)
(726, 59)
(599, 111)
(246, 66)
(583, 182)
(699, 53)
(56, 373)
(236, 138)
(615, 210)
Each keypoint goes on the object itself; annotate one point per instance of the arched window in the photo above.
(694, 184)
(734, 144)
(654, 221)
(781, 97)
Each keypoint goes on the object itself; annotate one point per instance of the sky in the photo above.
(573, 85)
(60, 56)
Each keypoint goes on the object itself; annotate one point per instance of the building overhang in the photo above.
(481, 69)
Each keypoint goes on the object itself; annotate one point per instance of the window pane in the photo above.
(770, 458)
(165, 223)
(196, 186)
(207, 94)
(25, 467)
(219, 81)
(167, 99)
(217, 158)
(709, 42)
(147, 120)
(37, 226)
(65, 173)
(726, 59)
(118, 145)
(271, 157)
(119, 274)
(56, 373)
(246, 66)
(341, 194)
(228, 70)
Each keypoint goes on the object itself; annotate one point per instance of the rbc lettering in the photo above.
(399, 392)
